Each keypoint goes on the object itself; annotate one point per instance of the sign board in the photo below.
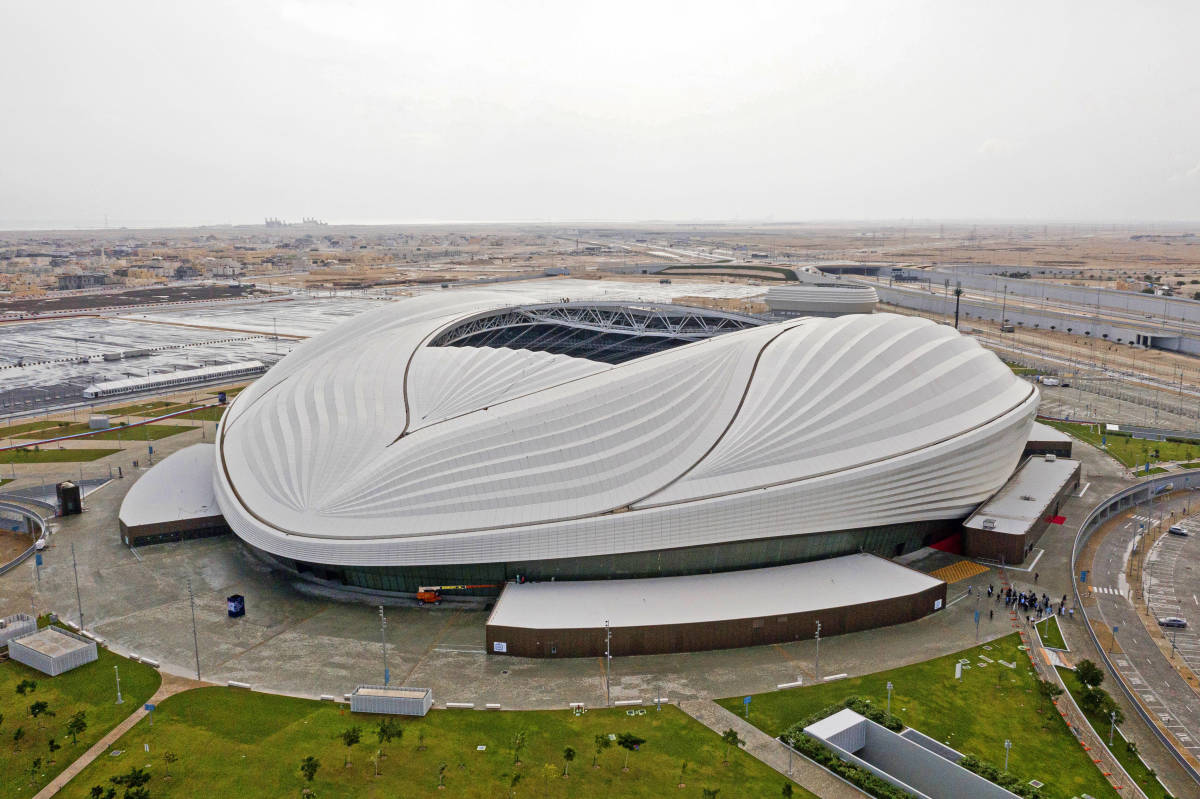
(746, 701)
(499, 646)
(149, 707)
(937, 604)
(1083, 576)
(37, 558)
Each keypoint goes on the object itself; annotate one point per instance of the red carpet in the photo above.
(952, 544)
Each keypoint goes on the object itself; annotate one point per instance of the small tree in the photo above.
(388, 729)
(38, 708)
(512, 784)
(26, 687)
(568, 756)
(100, 792)
(76, 725)
(53, 746)
(308, 767)
(1088, 673)
(600, 742)
(420, 739)
(375, 760)
(442, 776)
(18, 734)
(350, 737)
(1049, 689)
(630, 743)
(682, 772)
(787, 790)
(517, 745)
(34, 768)
(730, 738)
(168, 759)
(710, 793)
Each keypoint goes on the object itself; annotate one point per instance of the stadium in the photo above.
(460, 438)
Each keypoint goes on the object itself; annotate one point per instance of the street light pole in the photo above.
(607, 662)
(817, 659)
(1007, 747)
(889, 687)
(195, 637)
(1112, 722)
(383, 640)
(120, 701)
(78, 598)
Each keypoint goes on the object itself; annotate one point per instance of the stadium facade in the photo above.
(459, 438)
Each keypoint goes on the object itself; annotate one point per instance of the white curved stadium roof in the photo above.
(366, 446)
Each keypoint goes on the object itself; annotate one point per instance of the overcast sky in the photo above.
(196, 113)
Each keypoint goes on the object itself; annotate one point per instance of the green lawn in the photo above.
(238, 743)
(1051, 634)
(210, 414)
(1129, 451)
(90, 688)
(25, 427)
(20, 456)
(1021, 370)
(151, 432)
(973, 715)
(1138, 770)
(155, 408)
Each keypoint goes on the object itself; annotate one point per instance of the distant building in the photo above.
(83, 280)
(186, 272)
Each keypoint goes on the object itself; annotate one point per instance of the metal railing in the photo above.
(38, 520)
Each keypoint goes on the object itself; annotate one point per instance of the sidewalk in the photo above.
(770, 751)
(170, 685)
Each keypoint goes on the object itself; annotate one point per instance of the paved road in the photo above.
(1151, 676)
(1170, 583)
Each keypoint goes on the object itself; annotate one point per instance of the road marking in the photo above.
(1083, 490)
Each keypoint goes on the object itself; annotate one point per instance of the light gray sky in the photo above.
(208, 112)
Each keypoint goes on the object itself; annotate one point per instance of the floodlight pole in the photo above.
(817, 659)
(195, 638)
(78, 598)
(383, 640)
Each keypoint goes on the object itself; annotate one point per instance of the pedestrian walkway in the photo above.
(800, 770)
(962, 570)
(170, 685)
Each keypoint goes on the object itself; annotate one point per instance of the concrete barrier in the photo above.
(492, 706)
(151, 663)
(795, 684)
(460, 705)
(627, 702)
(236, 684)
(327, 698)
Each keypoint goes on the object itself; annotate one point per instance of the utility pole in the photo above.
(78, 598)
(383, 639)
(195, 638)
(607, 662)
(817, 659)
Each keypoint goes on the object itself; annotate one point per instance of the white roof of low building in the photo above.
(178, 488)
(694, 599)
(1044, 432)
(830, 726)
(53, 642)
(1024, 498)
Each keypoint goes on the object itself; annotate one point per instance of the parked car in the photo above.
(1175, 529)
(1172, 621)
